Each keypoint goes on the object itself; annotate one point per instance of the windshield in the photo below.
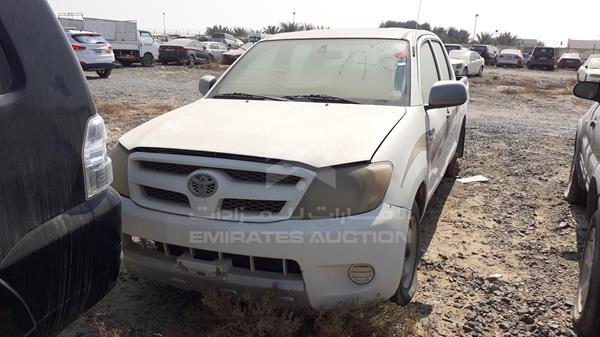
(459, 54)
(367, 71)
(510, 52)
(89, 38)
(179, 42)
(543, 52)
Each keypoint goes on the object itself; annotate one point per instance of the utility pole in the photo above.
(475, 28)
(294, 18)
(164, 25)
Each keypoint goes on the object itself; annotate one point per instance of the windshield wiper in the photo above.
(320, 98)
(241, 95)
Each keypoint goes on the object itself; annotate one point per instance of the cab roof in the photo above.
(359, 33)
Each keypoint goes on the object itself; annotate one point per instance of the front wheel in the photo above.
(408, 281)
(587, 304)
(148, 60)
(104, 73)
(480, 73)
(466, 72)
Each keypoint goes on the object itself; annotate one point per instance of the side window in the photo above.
(441, 60)
(5, 73)
(428, 71)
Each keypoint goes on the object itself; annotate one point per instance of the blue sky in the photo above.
(527, 19)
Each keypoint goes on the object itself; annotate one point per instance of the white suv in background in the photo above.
(93, 51)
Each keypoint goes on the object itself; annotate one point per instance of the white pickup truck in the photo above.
(130, 45)
(307, 168)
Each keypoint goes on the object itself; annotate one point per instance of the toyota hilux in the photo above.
(307, 167)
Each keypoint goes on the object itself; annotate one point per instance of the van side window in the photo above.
(5, 73)
(441, 60)
(428, 71)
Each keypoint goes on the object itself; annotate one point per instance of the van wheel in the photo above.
(408, 281)
(574, 193)
(104, 73)
(148, 60)
(587, 303)
(452, 169)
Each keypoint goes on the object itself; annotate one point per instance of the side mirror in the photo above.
(206, 82)
(446, 94)
(587, 90)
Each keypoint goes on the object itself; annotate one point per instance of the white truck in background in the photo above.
(130, 45)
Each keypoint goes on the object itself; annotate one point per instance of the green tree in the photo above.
(290, 27)
(485, 38)
(507, 39)
(240, 32)
(218, 29)
(271, 30)
(405, 24)
(442, 33)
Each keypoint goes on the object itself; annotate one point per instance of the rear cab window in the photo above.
(89, 38)
(543, 52)
(441, 60)
(5, 73)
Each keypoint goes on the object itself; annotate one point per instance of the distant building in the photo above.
(584, 47)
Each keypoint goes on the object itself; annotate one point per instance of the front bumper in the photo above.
(323, 249)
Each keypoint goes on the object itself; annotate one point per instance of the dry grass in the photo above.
(509, 86)
(252, 314)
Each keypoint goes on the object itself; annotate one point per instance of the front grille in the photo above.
(237, 175)
(252, 263)
(164, 195)
(252, 206)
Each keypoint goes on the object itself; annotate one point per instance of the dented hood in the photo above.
(316, 134)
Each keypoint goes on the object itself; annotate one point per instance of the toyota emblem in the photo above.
(202, 185)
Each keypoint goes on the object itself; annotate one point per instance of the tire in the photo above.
(148, 60)
(104, 73)
(211, 59)
(574, 193)
(408, 281)
(587, 304)
(480, 73)
(466, 72)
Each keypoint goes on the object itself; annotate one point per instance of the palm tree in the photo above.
(217, 29)
(485, 38)
(271, 30)
(506, 39)
(240, 32)
(290, 27)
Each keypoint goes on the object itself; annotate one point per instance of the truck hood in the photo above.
(315, 134)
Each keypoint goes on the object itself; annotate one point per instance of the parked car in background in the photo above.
(451, 46)
(510, 58)
(232, 55)
(130, 45)
(589, 71)
(184, 51)
(543, 57)
(226, 39)
(161, 38)
(570, 61)
(201, 38)
(487, 52)
(255, 37)
(93, 51)
(214, 180)
(466, 62)
(216, 50)
(583, 187)
(60, 222)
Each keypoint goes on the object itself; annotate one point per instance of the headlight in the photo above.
(119, 156)
(97, 165)
(344, 191)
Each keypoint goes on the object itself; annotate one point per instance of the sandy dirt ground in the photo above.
(495, 261)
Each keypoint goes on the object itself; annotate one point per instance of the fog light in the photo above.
(361, 273)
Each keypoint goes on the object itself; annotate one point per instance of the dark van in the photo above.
(60, 221)
(542, 57)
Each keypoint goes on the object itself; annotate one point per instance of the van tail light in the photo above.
(78, 47)
(110, 49)
(97, 166)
